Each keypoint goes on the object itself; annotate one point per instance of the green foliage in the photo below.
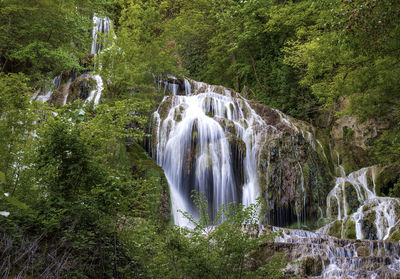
(16, 121)
(43, 38)
(140, 53)
(240, 45)
(225, 251)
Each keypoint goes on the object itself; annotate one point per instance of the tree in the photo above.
(140, 53)
(43, 38)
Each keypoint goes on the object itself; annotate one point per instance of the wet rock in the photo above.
(312, 266)
(80, 88)
(294, 179)
(313, 255)
(363, 251)
(351, 197)
(368, 225)
(352, 157)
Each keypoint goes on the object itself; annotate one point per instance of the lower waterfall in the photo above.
(211, 140)
(207, 142)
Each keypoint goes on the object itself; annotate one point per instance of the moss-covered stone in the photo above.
(165, 107)
(352, 157)
(349, 229)
(296, 179)
(368, 225)
(312, 266)
(81, 88)
(394, 233)
(335, 229)
(334, 208)
(351, 198)
(178, 113)
(363, 251)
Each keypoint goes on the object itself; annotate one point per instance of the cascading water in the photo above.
(49, 92)
(324, 257)
(101, 26)
(353, 202)
(208, 142)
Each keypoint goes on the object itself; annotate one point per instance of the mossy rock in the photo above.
(335, 229)
(363, 251)
(178, 113)
(236, 143)
(368, 225)
(385, 182)
(164, 108)
(81, 88)
(351, 198)
(394, 233)
(352, 157)
(334, 209)
(350, 229)
(312, 266)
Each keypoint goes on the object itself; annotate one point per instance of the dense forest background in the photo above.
(85, 201)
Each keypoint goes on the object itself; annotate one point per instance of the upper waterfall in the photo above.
(102, 25)
(59, 91)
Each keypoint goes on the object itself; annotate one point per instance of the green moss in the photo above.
(395, 235)
(165, 107)
(351, 197)
(352, 157)
(2, 177)
(348, 134)
(210, 114)
(336, 229)
(368, 225)
(145, 167)
(350, 229)
(334, 207)
(178, 113)
(236, 143)
(312, 266)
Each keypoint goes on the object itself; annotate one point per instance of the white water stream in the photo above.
(378, 214)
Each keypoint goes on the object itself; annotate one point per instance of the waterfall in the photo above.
(55, 84)
(95, 94)
(101, 26)
(353, 200)
(208, 141)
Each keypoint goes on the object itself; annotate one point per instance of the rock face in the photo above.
(210, 139)
(315, 255)
(294, 172)
(81, 87)
(349, 129)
